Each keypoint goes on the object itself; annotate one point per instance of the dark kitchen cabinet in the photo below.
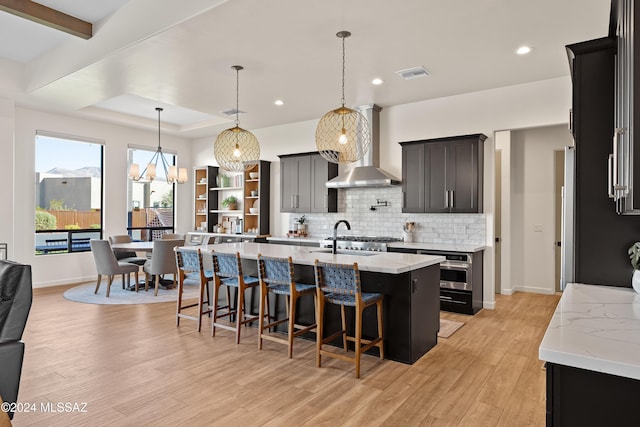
(580, 397)
(602, 237)
(443, 175)
(302, 184)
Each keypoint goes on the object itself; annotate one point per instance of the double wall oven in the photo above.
(460, 279)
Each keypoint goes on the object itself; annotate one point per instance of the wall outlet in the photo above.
(537, 228)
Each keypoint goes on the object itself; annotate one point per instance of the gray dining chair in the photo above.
(163, 261)
(126, 256)
(107, 264)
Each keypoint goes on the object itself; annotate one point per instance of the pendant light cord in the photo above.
(159, 110)
(343, 66)
(237, 95)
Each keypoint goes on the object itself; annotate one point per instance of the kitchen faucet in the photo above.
(335, 232)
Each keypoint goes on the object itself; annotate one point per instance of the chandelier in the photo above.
(343, 135)
(236, 149)
(172, 173)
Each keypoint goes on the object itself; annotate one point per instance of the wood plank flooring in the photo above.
(132, 366)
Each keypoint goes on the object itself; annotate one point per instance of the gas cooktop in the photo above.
(360, 243)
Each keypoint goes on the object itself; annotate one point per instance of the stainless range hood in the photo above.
(366, 173)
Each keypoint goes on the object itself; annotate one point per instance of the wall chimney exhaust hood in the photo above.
(366, 173)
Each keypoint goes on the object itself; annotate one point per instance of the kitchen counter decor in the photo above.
(408, 228)
(634, 256)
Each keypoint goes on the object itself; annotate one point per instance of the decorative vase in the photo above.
(635, 281)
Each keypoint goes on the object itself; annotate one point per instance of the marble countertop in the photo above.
(595, 328)
(382, 262)
(447, 247)
(309, 239)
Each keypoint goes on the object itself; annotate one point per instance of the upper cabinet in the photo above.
(623, 183)
(443, 175)
(302, 184)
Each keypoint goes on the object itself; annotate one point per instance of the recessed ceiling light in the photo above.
(377, 81)
(523, 50)
(279, 102)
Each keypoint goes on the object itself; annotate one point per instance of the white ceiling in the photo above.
(177, 55)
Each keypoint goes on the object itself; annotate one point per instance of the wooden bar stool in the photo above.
(276, 275)
(192, 272)
(340, 284)
(227, 270)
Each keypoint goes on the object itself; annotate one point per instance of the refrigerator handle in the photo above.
(610, 177)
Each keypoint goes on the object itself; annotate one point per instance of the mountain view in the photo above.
(68, 173)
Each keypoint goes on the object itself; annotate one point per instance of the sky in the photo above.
(60, 153)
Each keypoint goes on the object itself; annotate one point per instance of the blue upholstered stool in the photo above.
(276, 275)
(191, 272)
(227, 270)
(340, 284)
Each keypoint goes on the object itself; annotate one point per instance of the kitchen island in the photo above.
(592, 354)
(410, 284)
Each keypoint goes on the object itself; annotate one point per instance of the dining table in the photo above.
(142, 246)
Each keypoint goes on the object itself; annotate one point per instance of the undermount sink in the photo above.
(343, 252)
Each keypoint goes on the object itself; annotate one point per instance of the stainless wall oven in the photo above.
(460, 279)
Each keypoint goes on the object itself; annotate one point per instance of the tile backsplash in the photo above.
(354, 205)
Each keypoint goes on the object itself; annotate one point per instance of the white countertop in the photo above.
(308, 239)
(382, 262)
(595, 328)
(446, 247)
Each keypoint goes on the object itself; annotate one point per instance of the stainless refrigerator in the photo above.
(567, 253)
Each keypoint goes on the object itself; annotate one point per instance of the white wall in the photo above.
(69, 268)
(533, 207)
(514, 107)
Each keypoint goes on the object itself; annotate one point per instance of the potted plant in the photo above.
(634, 257)
(230, 203)
(302, 225)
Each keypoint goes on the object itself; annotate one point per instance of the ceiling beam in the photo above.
(44, 15)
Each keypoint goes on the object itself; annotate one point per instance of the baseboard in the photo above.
(506, 292)
(73, 281)
(535, 290)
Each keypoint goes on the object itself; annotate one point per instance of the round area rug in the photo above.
(84, 293)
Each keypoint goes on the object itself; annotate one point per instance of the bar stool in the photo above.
(340, 284)
(276, 275)
(192, 272)
(227, 270)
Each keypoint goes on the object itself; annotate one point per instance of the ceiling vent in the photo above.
(413, 73)
(233, 112)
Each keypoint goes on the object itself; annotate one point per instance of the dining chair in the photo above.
(340, 284)
(192, 272)
(126, 256)
(107, 264)
(227, 271)
(277, 276)
(162, 262)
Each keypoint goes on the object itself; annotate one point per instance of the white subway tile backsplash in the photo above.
(354, 205)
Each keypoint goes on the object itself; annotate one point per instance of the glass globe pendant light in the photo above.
(236, 149)
(343, 135)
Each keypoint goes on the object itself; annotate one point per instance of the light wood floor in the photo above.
(132, 366)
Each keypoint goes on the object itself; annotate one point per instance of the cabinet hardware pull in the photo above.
(451, 204)
(610, 177)
(446, 199)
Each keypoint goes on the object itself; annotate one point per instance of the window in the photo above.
(68, 193)
(150, 202)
